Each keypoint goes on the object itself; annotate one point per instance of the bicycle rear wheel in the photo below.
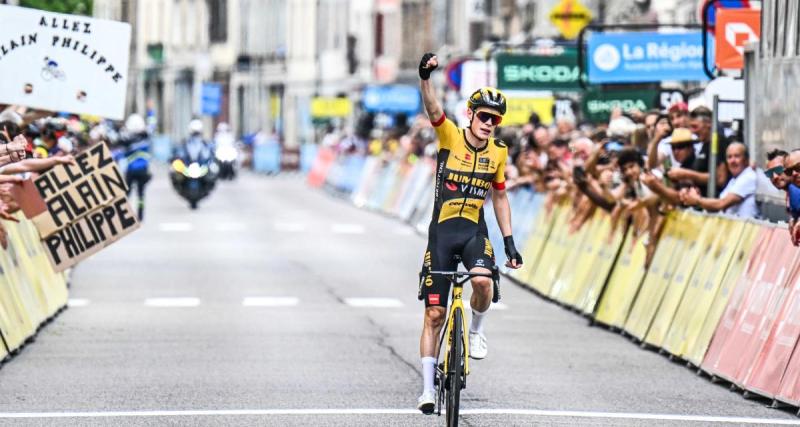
(455, 368)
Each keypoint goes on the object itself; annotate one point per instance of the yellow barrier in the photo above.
(588, 253)
(700, 334)
(667, 257)
(609, 245)
(30, 291)
(698, 247)
(532, 251)
(564, 282)
(624, 282)
(553, 253)
(705, 281)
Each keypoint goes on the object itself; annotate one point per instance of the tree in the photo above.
(75, 7)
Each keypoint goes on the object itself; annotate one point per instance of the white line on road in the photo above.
(78, 302)
(389, 411)
(270, 301)
(231, 226)
(404, 231)
(373, 302)
(348, 229)
(289, 227)
(172, 302)
(175, 226)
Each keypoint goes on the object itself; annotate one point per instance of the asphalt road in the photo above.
(276, 304)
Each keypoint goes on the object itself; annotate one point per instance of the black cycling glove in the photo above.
(424, 70)
(511, 250)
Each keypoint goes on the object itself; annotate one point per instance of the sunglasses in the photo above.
(771, 172)
(485, 117)
(789, 171)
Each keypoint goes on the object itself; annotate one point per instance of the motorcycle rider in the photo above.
(136, 142)
(194, 148)
(225, 148)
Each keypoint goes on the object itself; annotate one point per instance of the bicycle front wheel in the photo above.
(455, 368)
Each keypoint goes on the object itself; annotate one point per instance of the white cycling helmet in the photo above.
(135, 124)
(195, 126)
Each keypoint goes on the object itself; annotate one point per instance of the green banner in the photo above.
(597, 105)
(538, 72)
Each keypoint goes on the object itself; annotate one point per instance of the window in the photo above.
(218, 21)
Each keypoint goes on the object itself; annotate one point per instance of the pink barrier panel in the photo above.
(728, 321)
(321, 167)
(765, 377)
(759, 307)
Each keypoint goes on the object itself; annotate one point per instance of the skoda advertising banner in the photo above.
(392, 99)
(645, 57)
(597, 105)
(539, 72)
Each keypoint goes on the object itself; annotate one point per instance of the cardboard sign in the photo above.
(59, 62)
(79, 209)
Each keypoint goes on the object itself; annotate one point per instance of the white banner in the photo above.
(59, 62)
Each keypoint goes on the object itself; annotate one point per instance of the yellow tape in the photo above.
(699, 338)
(623, 283)
(699, 247)
(706, 279)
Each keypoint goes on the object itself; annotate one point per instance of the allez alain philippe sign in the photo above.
(60, 62)
(79, 209)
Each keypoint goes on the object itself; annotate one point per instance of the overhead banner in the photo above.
(645, 57)
(735, 28)
(539, 72)
(324, 107)
(392, 99)
(597, 105)
(79, 209)
(59, 62)
(519, 110)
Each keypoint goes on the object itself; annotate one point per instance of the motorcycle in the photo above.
(193, 181)
(226, 157)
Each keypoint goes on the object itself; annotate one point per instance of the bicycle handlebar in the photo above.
(462, 274)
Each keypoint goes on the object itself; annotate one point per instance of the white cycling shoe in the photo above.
(427, 402)
(477, 346)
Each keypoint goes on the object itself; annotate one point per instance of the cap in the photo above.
(679, 106)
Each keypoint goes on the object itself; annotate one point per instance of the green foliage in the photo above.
(76, 7)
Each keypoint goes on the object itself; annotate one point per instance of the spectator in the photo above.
(679, 114)
(791, 172)
(738, 196)
(700, 125)
(775, 169)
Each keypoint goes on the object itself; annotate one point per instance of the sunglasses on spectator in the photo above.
(484, 117)
(682, 145)
(790, 170)
(771, 172)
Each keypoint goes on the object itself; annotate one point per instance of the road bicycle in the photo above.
(451, 374)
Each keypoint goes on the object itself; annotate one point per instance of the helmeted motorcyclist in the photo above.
(194, 148)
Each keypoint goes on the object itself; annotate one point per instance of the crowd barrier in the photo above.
(31, 293)
(722, 294)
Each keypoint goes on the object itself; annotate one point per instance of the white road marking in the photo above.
(389, 411)
(175, 226)
(289, 227)
(78, 302)
(348, 229)
(231, 226)
(404, 231)
(373, 302)
(270, 301)
(172, 302)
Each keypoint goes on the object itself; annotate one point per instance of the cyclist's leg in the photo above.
(478, 257)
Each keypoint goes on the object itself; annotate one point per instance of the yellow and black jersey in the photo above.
(465, 174)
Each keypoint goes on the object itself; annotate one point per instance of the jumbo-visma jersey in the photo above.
(464, 174)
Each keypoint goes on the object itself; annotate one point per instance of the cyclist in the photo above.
(470, 162)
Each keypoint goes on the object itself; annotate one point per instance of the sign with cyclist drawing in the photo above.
(79, 209)
(59, 62)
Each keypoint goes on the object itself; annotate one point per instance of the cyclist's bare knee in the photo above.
(481, 285)
(434, 316)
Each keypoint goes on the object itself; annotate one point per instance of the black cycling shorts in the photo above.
(446, 245)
